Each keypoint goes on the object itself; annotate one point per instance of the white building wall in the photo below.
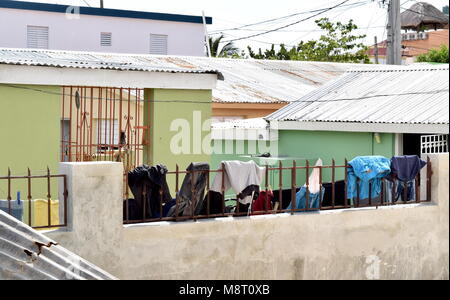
(83, 34)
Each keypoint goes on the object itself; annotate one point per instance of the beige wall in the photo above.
(402, 242)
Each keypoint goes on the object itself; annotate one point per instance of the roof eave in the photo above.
(361, 127)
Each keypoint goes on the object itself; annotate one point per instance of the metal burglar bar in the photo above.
(26, 184)
(294, 171)
(104, 124)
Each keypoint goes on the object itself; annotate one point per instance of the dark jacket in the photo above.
(406, 168)
(150, 190)
(192, 193)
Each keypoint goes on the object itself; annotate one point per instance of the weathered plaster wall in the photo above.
(403, 242)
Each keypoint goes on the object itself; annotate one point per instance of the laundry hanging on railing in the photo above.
(312, 193)
(244, 178)
(404, 171)
(264, 202)
(191, 197)
(365, 174)
(146, 183)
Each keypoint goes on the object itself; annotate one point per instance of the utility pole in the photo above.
(208, 47)
(394, 41)
(101, 4)
(377, 60)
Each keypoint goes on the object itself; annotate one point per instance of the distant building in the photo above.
(414, 44)
(426, 28)
(62, 27)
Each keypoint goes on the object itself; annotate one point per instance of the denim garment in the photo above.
(399, 192)
(370, 170)
(411, 191)
(313, 201)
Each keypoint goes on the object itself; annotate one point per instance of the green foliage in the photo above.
(339, 44)
(440, 55)
(228, 50)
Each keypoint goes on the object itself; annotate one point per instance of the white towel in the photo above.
(238, 176)
(314, 179)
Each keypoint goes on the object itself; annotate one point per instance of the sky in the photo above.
(368, 15)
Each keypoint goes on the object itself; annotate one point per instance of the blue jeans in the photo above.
(313, 201)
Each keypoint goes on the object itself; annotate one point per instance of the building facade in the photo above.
(62, 27)
(414, 44)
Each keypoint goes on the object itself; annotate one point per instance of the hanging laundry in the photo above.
(191, 196)
(366, 173)
(243, 177)
(264, 197)
(404, 170)
(312, 194)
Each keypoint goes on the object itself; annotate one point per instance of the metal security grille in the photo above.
(106, 39)
(158, 44)
(37, 37)
(432, 144)
(104, 124)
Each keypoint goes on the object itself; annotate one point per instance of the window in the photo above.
(158, 44)
(434, 144)
(106, 39)
(37, 37)
(104, 139)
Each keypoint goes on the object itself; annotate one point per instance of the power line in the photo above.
(266, 21)
(288, 25)
(209, 103)
(86, 3)
(313, 30)
(338, 15)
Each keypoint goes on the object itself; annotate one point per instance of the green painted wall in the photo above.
(29, 135)
(168, 108)
(310, 145)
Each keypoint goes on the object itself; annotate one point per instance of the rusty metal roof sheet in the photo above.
(400, 95)
(94, 60)
(245, 80)
(26, 254)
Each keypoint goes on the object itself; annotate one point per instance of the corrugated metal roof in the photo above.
(401, 95)
(268, 81)
(245, 80)
(94, 60)
(26, 254)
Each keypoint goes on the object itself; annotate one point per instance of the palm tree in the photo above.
(228, 50)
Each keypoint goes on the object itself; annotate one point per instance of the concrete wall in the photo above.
(128, 35)
(402, 242)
